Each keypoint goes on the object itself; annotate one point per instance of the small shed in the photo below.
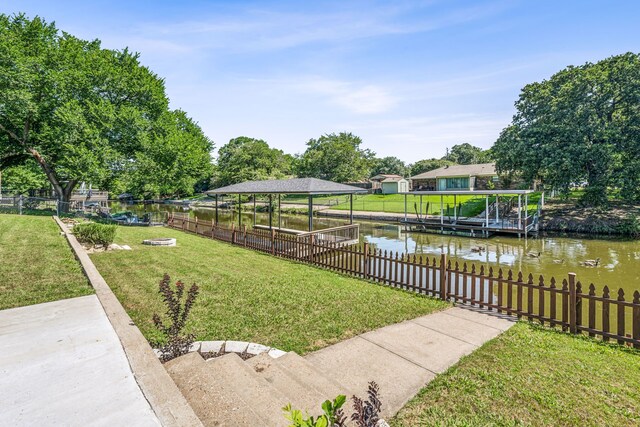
(394, 185)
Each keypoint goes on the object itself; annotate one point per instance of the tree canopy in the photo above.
(389, 165)
(580, 125)
(427, 165)
(467, 154)
(85, 113)
(248, 159)
(336, 158)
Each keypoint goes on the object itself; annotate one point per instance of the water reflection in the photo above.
(619, 259)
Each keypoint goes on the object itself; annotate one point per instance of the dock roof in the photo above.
(309, 186)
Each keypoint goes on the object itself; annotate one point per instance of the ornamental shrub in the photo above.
(95, 234)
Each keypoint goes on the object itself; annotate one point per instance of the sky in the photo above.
(411, 78)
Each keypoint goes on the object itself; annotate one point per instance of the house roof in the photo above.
(383, 176)
(393, 178)
(480, 169)
(308, 186)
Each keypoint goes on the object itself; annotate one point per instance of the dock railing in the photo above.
(566, 302)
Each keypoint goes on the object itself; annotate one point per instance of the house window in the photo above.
(457, 183)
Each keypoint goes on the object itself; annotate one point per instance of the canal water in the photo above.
(619, 260)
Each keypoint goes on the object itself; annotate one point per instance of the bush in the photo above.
(95, 234)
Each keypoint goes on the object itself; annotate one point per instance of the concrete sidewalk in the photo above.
(61, 363)
(404, 357)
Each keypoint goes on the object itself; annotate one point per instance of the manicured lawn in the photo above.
(471, 205)
(249, 296)
(533, 376)
(36, 263)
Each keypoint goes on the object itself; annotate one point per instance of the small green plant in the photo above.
(177, 343)
(366, 413)
(333, 415)
(95, 234)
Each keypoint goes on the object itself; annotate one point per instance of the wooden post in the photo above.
(310, 212)
(196, 218)
(572, 303)
(254, 210)
(216, 222)
(311, 241)
(351, 208)
(233, 233)
(636, 319)
(519, 212)
(441, 209)
(497, 208)
(366, 260)
(279, 211)
(239, 212)
(244, 236)
(443, 277)
(273, 241)
(270, 213)
(405, 208)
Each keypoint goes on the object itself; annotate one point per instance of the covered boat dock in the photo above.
(347, 234)
(505, 211)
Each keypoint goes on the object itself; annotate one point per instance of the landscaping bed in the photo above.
(249, 296)
(531, 375)
(36, 263)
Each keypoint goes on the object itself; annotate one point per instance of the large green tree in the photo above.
(389, 165)
(171, 162)
(336, 157)
(22, 178)
(83, 113)
(580, 125)
(248, 159)
(427, 165)
(467, 154)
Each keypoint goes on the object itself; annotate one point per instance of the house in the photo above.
(376, 181)
(461, 177)
(394, 185)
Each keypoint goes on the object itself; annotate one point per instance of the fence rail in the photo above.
(567, 304)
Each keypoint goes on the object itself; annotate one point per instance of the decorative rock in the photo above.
(210, 346)
(257, 348)
(161, 241)
(275, 353)
(382, 423)
(126, 247)
(115, 246)
(236, 346)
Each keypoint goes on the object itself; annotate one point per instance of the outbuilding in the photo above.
(394, 185)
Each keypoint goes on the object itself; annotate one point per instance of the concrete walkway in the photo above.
(61, 363)
(402, 358)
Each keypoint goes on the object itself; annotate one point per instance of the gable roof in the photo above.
(480, 169)
(383, 176)
(393, 178)
(288, 186)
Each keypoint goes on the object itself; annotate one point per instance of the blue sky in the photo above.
(409, 77)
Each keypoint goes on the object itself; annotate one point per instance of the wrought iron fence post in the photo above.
(20, 204)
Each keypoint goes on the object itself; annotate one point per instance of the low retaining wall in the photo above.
(163, 395)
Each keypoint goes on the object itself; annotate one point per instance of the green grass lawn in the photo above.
(249, 296)
(533, 376)
(36, 263)
(471, 205)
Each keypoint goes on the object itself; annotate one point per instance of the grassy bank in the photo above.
(249, 296)
(36, 263)
(533, 376)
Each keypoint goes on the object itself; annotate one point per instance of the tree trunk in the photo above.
(62, 192)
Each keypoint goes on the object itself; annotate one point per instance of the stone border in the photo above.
(233, 347)
(164, 397)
